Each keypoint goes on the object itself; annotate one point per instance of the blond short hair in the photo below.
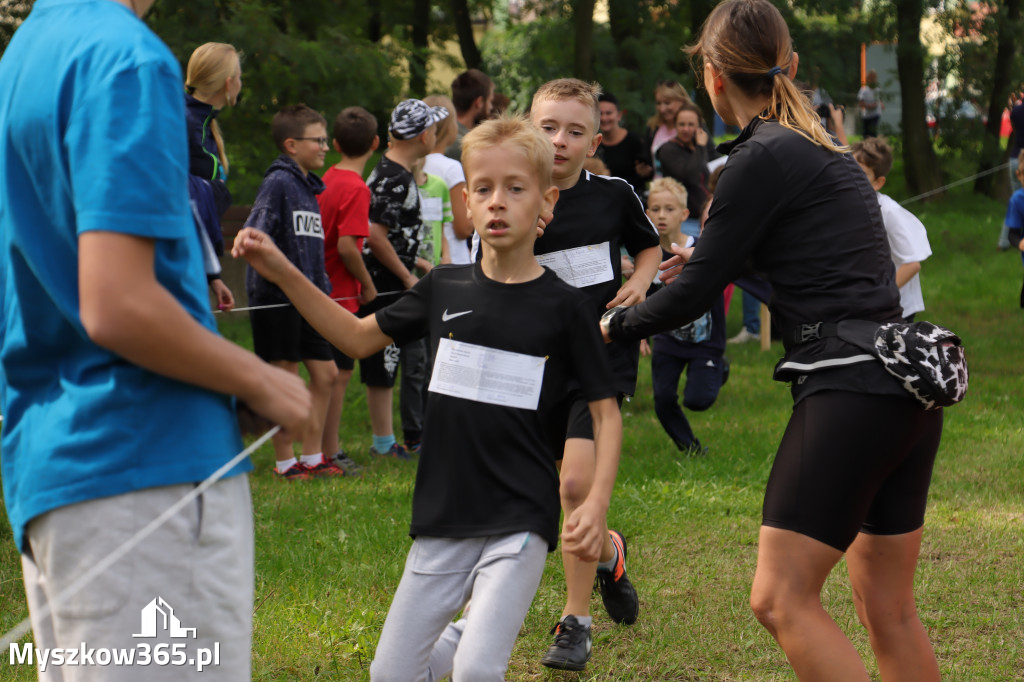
(671, 186)
(518, 132)
(562, 89)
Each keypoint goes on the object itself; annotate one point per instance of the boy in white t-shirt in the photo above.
(908, 239)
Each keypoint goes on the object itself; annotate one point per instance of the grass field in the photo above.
(329, 552)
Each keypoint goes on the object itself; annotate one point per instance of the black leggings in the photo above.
(852, 462)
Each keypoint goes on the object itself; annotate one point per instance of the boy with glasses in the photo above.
(286, 209)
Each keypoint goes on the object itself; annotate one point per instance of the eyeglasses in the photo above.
(322, 141)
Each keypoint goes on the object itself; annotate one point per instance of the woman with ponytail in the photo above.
(213, 80)
(852, 471)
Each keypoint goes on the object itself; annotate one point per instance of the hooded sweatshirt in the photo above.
(287, 210)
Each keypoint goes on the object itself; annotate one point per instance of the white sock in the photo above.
(610, 564)
(313, 460)
(285, 464)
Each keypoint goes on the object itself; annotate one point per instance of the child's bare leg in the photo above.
(576, 477)
(321, 379)
(332, 421)
(283, 450)
(379, 402)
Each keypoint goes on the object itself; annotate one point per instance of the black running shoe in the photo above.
(572, 646)
(617, 592)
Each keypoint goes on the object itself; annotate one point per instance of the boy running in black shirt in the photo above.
(594, 218)
(514, 349)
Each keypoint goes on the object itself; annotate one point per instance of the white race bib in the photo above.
(431, 208)
(582, 266)
(487, 375)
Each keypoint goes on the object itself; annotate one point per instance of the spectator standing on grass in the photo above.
(869, 98)
(473, 97)
(460, 229)
(1015, 217)
(621, 150)
(1017, 125)
(683, 160)
(286, 209)
(852, 472)
(391, 252)
(908, 239)
(345, 211)
(213, 80)
(117, 390)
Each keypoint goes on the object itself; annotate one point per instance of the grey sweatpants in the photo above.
(184, 594)
(420, 643)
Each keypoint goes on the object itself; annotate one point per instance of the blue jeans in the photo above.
(704, 380)
(751, 313)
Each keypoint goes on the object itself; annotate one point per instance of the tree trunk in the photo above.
(919, 164)
(994, 184)
(420, 48)
(464, 29)
(583, 30)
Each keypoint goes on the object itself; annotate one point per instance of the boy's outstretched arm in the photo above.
(125, 309)
(645, 267)
(584, 530)
(353, 336)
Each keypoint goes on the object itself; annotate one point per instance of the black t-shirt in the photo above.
(621, 159)
(485, 468)
(394, 203)
(602, 215)
(808, 220)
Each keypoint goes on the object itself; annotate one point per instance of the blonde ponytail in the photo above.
(793, 110)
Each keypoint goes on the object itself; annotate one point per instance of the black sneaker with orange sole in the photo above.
(617, 593)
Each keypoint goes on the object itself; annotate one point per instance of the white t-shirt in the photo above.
(451, 172)
(866, 96)
(908, 241)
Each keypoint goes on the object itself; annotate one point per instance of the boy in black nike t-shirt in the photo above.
(514, 348)
(595, 217)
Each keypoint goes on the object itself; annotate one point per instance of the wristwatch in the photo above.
(606, 319)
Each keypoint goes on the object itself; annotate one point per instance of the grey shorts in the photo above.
(181, 597)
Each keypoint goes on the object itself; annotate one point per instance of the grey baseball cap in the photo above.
(412, 116)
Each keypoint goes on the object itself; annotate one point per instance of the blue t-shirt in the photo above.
(92, 137)
(1015, 216)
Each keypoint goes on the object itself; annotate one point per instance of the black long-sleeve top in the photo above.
(806, 219)
(690, 167)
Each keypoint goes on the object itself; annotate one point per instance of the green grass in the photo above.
(329, 553)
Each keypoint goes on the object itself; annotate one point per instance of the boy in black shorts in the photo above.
(391, 251)
(286, 210)
(514, 348)
(595, 216)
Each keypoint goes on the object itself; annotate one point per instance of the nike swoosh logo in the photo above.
(445, 316)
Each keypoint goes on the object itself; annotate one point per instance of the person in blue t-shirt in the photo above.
(118, 391)
(1014, 222)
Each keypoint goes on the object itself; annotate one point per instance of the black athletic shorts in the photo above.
(342, 361)
(581, 424)
(850, 463)
(381, 368)
(281, 334)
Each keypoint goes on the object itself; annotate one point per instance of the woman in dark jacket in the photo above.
(852, 472)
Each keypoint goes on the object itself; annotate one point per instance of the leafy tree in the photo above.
(12, 13)
(316, 52)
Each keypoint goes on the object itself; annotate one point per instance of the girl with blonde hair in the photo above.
(213, 80)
